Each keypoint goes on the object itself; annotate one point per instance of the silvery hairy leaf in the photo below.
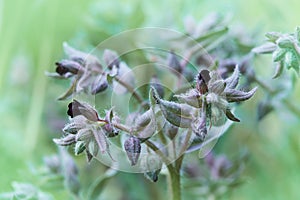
(233, 95)
(180, 115)
(191, 97)
(69, 92)
(155, 82)
(233, 80)
(217, 87)
(79, 147)
(265, 48)
(65, 141)
(100, 139)
(76, 123)
(145, 125)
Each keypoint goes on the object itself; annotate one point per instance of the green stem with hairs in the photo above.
(174, 182)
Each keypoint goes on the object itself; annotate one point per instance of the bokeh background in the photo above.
(31, 36)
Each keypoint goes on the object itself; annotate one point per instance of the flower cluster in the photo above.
(285, 49)
(87, 131)
(87, 74)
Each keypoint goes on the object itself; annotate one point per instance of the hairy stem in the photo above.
(136, 95)
(174, 183)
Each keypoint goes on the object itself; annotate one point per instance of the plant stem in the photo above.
(174, 183)
(136, 95)
(288, 104)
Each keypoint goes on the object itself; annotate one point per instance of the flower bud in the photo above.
(75, 125)
(88, 60)
(173, 62)
(202, 81)
(111, 58)
(233, 80)
(84, 134)
(170, 130)
(157, 85)
(133, 149)
(76, 108)
(152, 165)
(65, 141)
(177, 114)
(99, 85)
(79, 147)
(189, 74)
(233, 95)
(145, 125)
(66, 66)
(109, 129)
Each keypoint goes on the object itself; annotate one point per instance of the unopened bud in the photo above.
(157, 85)
(109, 129)
(111, 58)
(76, 108)
(133, 149)
(99, 85)
(65, 141)
(170, 130)
(66, 66)
(202, 81)
(79, 147)
(152, 165)
(173, 62)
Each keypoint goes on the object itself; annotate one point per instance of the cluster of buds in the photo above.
(197, 110)
(86, 72)
(202, 106)
(285, 49)
(87, 131)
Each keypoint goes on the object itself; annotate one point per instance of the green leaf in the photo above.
(279, 54)
(213, 35)
(265, 48)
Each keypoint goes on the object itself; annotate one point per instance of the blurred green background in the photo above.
(31, 36)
